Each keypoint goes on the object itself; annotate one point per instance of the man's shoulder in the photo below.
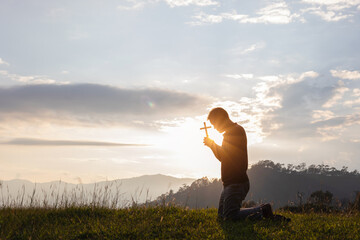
(235, 129)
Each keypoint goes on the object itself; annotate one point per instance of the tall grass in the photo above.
(101, 213)
(58, 195)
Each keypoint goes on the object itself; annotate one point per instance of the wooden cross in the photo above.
(205, 128)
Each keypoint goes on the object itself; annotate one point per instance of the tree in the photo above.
(321, 198)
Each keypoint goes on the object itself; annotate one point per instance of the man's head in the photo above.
(219, 118)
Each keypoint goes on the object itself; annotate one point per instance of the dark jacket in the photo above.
(233, 155)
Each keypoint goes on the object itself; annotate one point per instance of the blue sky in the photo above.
(78, 76)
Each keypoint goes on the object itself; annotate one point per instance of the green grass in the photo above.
(166, 223)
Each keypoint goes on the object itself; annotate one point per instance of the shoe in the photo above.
(267, 210)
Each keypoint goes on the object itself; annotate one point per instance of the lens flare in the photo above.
(151, 104)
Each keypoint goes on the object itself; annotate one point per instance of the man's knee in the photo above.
(231, 214)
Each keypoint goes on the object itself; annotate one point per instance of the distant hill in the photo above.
(126, 191)
(270, 182)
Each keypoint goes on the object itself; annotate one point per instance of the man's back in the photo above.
(234, 162)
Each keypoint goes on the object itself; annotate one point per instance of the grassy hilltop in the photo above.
(166, 223)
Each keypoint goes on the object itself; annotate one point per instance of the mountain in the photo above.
(121, 192)
(270, 182)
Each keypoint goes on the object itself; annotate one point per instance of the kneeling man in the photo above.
(234, 163)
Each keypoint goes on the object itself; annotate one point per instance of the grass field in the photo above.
(166, 223)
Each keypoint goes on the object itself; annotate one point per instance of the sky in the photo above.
(96, 90)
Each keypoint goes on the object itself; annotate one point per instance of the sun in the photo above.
(183, 140)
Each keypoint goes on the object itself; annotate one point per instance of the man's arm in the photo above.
(217, 150)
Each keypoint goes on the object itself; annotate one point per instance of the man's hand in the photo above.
(208, 141)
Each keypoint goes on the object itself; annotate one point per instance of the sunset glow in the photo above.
(118, 89)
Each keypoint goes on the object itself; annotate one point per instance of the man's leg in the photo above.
(233, 196)
(254, 213)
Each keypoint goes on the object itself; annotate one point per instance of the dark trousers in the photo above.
(230, 203)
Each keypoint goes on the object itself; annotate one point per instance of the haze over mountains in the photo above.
(137, 189)
(269, 182)
(277, 184)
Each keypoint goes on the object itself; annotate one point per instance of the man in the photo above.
(234, 163)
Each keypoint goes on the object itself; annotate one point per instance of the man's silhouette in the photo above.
(234, 163)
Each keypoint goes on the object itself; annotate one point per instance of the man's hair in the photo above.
(217, 114)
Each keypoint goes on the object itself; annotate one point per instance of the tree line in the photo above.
(293, 185)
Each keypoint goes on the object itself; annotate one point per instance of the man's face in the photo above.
(218, 125)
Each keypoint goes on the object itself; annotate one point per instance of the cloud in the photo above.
(180, 3)
(132, 5)
(2, 62)
(96, 104)
(139, 4)
(335, 128)
(329, 16)
(305, 110)
(356, 92)
(338, 95)
(345, 74)
(331, 10)
(35, 79)
(291, 106)
(251, 48)
(258, 114)
(239, 76)
(279, 12)
(309, 74)
(203, 18)
(300, 113)
(245, 50)
(356, 99)
(46, 142)
(322, 115)
(274, 13)
(334, 4)
(233, 15)
(300, 122)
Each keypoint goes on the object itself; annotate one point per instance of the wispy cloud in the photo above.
(132, 5)
(179, 3)
(241, 50)
(203, 18)
(279, 12)
(2, 62)
(35, 79)
(239, 76)
(322, 115)
(345, 74)
(354, 100)
(139, 4)
(47, 142)
(274, 13)
(333, 10)
(335, 128)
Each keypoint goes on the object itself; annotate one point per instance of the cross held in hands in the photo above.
(205, 128)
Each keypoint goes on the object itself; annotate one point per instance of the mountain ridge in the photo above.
(130, 190)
